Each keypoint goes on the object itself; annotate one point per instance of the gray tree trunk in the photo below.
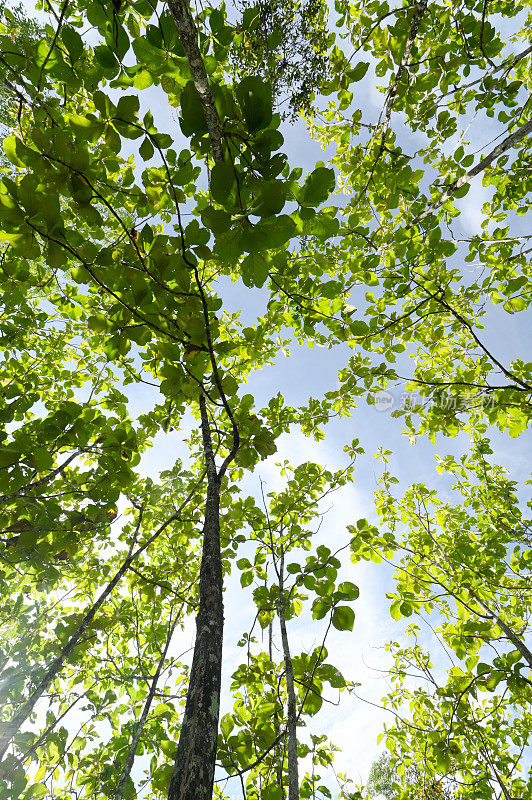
(193, 773)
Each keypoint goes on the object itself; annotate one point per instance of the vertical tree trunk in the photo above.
(193, 773)
(291, 722)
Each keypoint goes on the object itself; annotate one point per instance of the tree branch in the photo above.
(501, 148)
(188, 35)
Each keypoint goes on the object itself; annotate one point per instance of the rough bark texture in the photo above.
(291, 722)
(193, 773)
(188, 36)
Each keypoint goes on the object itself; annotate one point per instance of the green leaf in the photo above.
(264, 442)
(222, 182)
(86, 127)
(271, 199)
(358, 327)
(255, 270)
(216, 219)
(343, 618)
(255, 99)
(11, 144)
(56, 255)
(320, 607)
(106, 58)
(314, 701)
(143, 78)
(128, 108)
(8, 456)
(146, 149)
(348, 590)
(192, 116)
(72, 41)
(395, 610)
(318, 186)
(323, 225)
(36, 791)
(269, 234)
(358, 72)
(405, 609)
(227, 724)
(99, 323)
(272, 792)
(246, 578)
(442, 758)
(117, 39)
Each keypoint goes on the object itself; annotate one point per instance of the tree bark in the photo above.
(193, 773)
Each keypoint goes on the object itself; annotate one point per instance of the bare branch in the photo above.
(501, 148)
(188, 35)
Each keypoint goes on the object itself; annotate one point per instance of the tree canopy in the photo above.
(162, 248)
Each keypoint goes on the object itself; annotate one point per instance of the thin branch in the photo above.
(139, 728)
(188, 35)
(5, 498)
(501, 148)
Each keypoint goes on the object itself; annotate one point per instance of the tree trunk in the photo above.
(193, 773)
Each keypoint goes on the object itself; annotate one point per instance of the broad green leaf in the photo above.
(192, 117)
(343, 618)
(318, 186)
(106, 58)
(73, 42)
(223, 182)
(358, 72)
(255, 99)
